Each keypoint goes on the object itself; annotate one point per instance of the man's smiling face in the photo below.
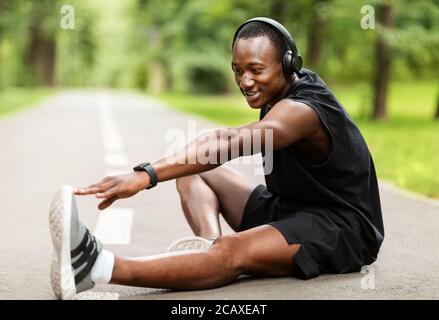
(258, 71)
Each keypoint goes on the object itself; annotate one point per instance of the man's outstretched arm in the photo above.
(286, 123)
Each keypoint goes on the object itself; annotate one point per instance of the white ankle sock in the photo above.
(103, 268)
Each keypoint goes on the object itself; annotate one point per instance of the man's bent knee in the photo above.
(183, 183)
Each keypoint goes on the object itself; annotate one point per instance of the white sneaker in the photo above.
(190, 243)
(75, 249)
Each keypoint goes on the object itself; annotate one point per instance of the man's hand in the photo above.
(116, 187)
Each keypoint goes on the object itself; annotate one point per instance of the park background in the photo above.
(386, 76)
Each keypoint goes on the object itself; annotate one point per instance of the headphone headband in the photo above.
(297, 64)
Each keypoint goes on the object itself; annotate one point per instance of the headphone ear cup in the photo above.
(287, 62)
(295, 64)
(298, 63)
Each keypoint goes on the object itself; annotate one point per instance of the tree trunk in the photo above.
(3, 4)
(157, 76)
(436, 115)
(41, 56)
(318, 27)
(278, 11)
(1, 63)
(383, 62)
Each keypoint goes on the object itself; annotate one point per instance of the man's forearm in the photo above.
(205, 153)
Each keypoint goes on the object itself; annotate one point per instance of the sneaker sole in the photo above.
(62, 277)
(190, 243)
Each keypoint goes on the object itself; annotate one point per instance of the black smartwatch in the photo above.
(147, 167)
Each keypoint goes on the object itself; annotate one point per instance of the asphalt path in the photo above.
(79, 137)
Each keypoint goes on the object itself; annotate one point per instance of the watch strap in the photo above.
(147, 167)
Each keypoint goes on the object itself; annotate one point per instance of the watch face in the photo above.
(140, 167)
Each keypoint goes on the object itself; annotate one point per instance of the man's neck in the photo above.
(285, 90)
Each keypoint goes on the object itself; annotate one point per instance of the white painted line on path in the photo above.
(116, 159)
(114, 226)
(111, 137)
(109, 173)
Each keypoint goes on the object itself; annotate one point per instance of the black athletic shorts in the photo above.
(328, 244)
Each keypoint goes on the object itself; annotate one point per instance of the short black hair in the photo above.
(256, 29)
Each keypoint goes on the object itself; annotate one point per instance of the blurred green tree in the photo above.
(186, 45)
(318, 28)
(7, 7)
(436, 114)
(412, 43)
(383, 56)
(77, 49)
(41, 47)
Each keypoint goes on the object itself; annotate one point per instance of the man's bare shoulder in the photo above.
(294, 114)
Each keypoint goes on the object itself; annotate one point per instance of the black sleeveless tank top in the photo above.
(344, 185)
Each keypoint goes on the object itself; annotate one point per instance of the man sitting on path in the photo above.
(318, 213)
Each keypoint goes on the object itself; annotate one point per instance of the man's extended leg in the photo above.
(258, 251)
(79, 261)
(203, 196)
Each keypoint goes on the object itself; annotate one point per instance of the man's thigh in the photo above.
(232, 189)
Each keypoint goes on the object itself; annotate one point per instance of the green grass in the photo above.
(18, 99)
(405, 148)
(406, 152)
(229, 110)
